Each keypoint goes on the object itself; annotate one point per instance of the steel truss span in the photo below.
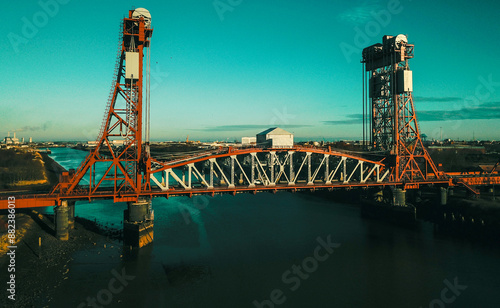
(266, 168)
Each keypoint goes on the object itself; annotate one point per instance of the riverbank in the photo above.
(48, 169)
(41, 270)
(20, 168)
(474, 219)
(462, 217)
(53, 169)
(23, 224)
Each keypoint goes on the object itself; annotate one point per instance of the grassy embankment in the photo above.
(23, 171)
(20, 168)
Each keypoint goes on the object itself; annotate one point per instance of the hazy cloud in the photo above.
(355, 118)
(483, 112)
(492, 104)
(42, 127)
(233, 128)
(437, 99)
(359, 14)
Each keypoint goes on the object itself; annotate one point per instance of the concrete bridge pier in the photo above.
(399, 197)
(71, 215)
(138, 223)
(61, 221)
(390, 205)
(402, 212)
(444, 195)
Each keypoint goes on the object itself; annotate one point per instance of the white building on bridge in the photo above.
(275, 138)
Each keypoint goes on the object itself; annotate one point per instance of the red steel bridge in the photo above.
(130, 173)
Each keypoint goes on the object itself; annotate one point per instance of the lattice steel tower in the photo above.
(389, 118)
(121, 153)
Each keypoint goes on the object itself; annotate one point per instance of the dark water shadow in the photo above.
(43, 222)
(185, 274)
(94, 226)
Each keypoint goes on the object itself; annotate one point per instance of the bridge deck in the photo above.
(42, 200)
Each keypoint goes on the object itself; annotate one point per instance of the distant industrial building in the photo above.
(11, 140)
(248, 140)
(275, 138)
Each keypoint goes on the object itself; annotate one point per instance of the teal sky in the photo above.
(231, 68)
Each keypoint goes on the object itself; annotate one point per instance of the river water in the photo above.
(282, 250)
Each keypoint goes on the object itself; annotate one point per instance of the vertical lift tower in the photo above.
(389, 119)
(120, 161)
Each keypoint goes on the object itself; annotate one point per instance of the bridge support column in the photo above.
(397, 212)
(399, 197)
(61, 221)
(444, 195)
(71, 215)
(138, 224)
